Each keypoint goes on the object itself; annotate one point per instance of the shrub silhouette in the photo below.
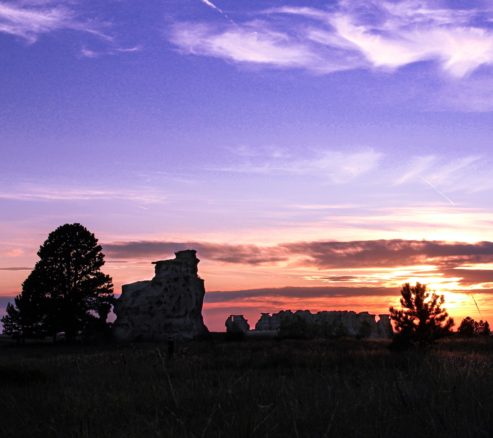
(469, 328)
(422, 319)
(66, 291)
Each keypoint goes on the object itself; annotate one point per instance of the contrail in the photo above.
(443, 195)
(477, 307)
(212, 5)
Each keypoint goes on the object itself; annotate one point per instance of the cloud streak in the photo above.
(28, 193)
(337, 166)
(16, 268)
(326, 255)
(298, 292)
(390, 253)
(211, 5)
(31, 19)
(349, 35)
(241, 254)
(468, 174)
(307, 293)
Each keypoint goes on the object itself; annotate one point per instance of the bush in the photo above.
(469, 328)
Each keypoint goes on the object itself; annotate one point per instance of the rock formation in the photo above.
(237, 324)
(327, 324)
(169, 307)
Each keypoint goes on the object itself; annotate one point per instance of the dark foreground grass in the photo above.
(245, 389)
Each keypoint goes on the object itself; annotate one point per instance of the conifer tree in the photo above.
(422, 318)
(66, 291)
(27, 316)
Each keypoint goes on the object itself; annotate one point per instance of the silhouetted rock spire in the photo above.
(167, 307)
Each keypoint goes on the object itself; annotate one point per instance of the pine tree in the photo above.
(27, 316)
(422, 319)
(66, 291)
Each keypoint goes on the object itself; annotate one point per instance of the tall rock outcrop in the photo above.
(168, 307)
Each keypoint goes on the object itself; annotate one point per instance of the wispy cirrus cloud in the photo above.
(337, 166)
(256, 43)
(252, 43)
(86, 52)
(348, 35)
(211, 5)
(468, 174)
(30, 19)
(54, 194)
(412, 31)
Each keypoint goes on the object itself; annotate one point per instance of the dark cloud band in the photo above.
(15, 268)
(299, 292)
(326, 255)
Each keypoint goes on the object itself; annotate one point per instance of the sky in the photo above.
(317, 154)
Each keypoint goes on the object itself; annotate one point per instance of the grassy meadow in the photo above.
(250, 388)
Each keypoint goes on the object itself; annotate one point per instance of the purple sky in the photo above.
(253, 123)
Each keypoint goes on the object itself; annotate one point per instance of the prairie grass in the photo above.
(249, 388)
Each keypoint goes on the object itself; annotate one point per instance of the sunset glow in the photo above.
(315, 157)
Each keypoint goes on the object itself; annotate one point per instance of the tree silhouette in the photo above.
(469, 328)
(66, 291)
(483, 328)
(422, 319)
(27, 317)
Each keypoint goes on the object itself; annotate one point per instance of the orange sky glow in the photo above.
(306, 272)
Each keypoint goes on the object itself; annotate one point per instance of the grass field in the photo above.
(247, 388)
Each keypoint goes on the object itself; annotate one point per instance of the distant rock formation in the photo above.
(237, 324)
(327, 324)
(169, 307)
